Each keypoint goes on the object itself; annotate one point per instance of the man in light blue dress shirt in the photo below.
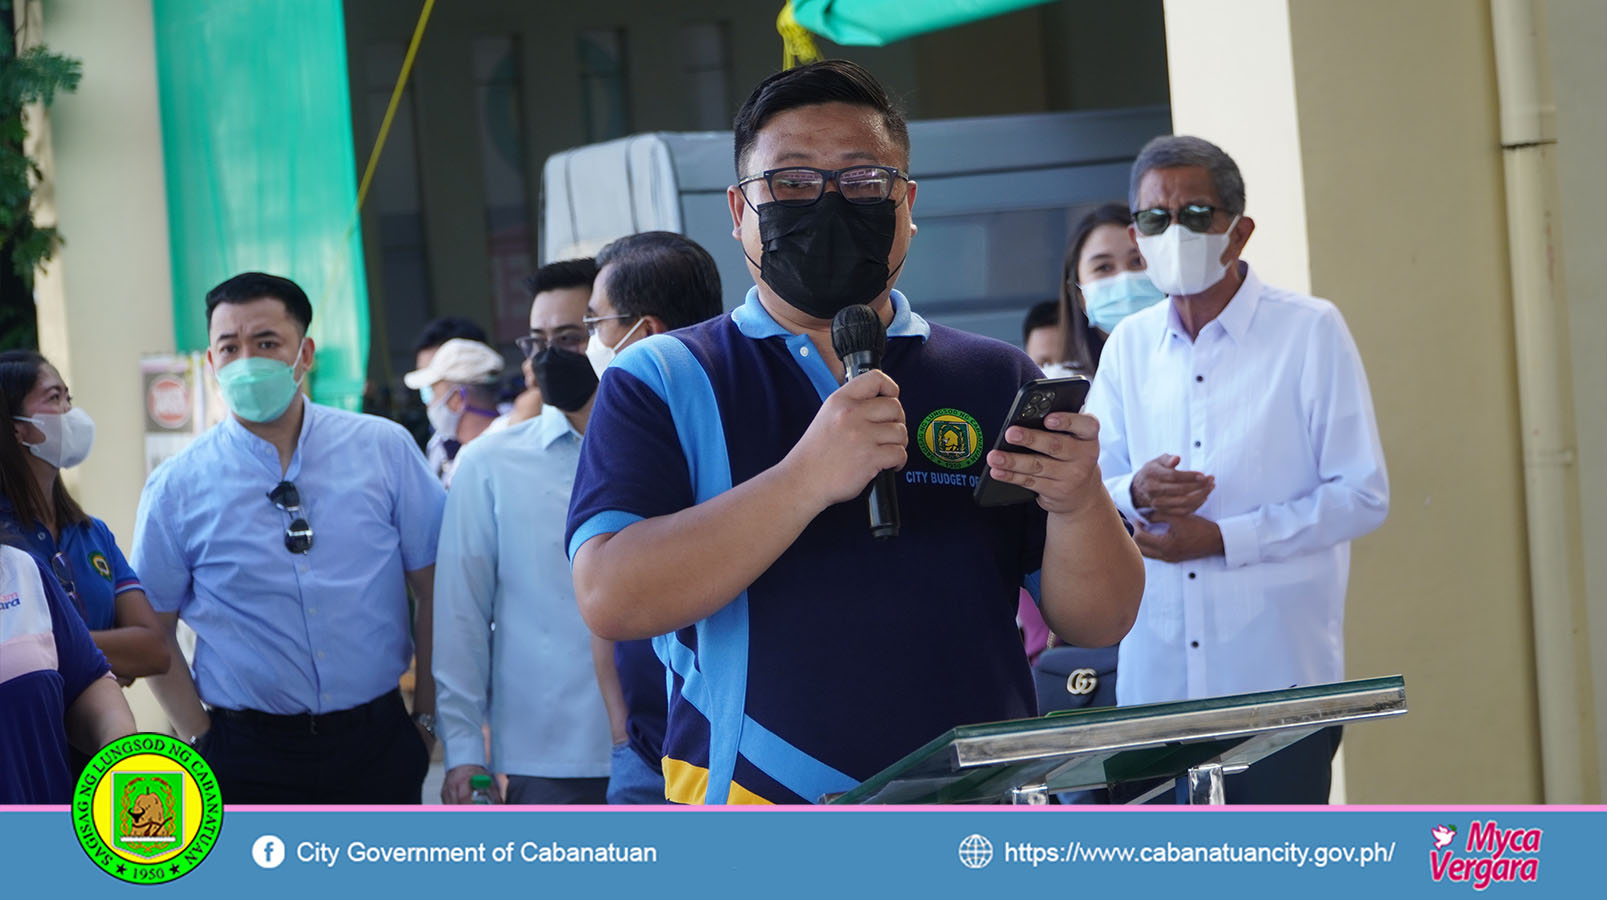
(288, 537)
(501, 560)
(1237, 429)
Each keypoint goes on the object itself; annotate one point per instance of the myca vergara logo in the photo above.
(1492, 854)
(950, 438)
(147, 809)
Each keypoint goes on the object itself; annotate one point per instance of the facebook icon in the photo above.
(268, 851)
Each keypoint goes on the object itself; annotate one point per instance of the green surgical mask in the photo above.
(258, 389)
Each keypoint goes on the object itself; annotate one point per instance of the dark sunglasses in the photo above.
(1196, 217)
(63, 570)
(298, 534)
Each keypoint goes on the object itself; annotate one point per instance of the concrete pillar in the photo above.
(1369, 139)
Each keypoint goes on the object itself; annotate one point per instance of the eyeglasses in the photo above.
(805, 185)
(298, 535)
(1196, 217)
(63, 570)
(533, 345)
(592, 322)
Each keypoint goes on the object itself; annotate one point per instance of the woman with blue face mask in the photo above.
(1102, 282)
(48, 434)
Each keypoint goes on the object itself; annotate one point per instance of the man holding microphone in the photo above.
(716, 506)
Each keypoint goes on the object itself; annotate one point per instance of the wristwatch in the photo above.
(426, 721)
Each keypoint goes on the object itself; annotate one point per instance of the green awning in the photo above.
(874, 23)
(257, 137)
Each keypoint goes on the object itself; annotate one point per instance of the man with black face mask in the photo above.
(501, 559)
(717, 504)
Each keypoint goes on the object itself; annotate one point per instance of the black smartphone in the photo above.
(1035, 401)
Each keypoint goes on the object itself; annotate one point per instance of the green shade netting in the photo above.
(873, 23)
(257, 137)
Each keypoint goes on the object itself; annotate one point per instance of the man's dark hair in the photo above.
(438, 331)
(1172, 151)
(664, 274)
(830, 81)
(566, 273)
(1041, 315)
(249, 286)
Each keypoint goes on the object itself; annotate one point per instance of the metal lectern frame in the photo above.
(1026, 760)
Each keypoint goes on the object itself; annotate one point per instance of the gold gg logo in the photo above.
(1082, 682)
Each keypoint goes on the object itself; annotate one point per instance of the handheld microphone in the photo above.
(858, 336)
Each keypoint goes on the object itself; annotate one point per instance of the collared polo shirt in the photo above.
(46, 660)
(99, 571)
(847, 653)
(284, 632)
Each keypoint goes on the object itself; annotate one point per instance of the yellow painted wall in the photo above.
(1371, 127)
(1577, 34)
(105, 301)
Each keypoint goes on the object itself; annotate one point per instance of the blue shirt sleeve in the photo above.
(78, 660)
(158, 555)
(465, 600)
(123, 576)
(420, 502)
(632, 466)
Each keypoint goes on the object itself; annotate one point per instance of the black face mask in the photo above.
(565, 377)
(828, 256)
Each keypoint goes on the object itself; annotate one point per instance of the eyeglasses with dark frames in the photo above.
(298, 534)
(63, 570)
(805, 185)
(533, 345)
(1196, 217)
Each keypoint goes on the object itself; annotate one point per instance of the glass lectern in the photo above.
(1025, 761)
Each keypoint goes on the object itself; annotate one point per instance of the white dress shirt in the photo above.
(502, 559)
(1271, 399)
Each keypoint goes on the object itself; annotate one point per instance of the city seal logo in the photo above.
(98, 560)
(950, 438)
(147, 809)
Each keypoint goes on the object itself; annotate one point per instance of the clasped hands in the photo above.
(1172, 496)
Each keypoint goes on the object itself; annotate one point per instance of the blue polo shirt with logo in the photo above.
(99, 571)
(847, 653)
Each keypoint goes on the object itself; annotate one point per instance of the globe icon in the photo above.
(976, 851)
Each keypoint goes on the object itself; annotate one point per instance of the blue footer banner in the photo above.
(151, 835)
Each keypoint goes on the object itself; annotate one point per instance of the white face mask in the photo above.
(602, 355)
(443, 418)
(68, 437)
(1183, 262)
(1058, 370)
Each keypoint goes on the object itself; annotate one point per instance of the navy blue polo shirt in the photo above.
(641, 682)
(99, 571)
(847, 653)
(46, 661)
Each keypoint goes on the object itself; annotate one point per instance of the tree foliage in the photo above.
(33, 76)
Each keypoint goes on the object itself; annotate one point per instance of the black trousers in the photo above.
(1299, 774)
(534, 790)
(370, 754)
